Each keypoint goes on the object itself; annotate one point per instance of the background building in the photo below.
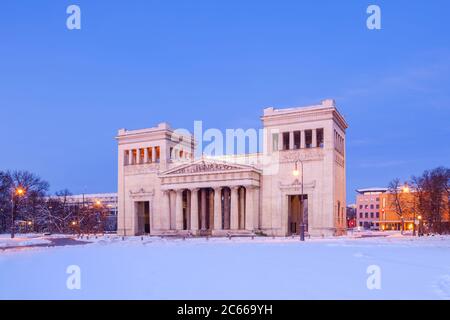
(351, 216)
(368, 207)
(107, 201)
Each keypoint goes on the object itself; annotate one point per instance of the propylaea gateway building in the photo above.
(298, 177)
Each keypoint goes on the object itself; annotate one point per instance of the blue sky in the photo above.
(64, 94)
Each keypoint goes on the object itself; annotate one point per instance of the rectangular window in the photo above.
(158, 154)
(275, 138)
(360, 206)
(371, 215)
(308, 138)
(366, 215)
(126, 159)
(320, 138)
(134, 156)
(172, 155)
(360, 215)
(286, 140)
(371, 206)
(378, 215)
(297, 137)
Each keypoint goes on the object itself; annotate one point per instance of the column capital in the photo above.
(194, 189)
(179, 191)
(165, 191)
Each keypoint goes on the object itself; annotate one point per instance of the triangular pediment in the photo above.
(206, 166)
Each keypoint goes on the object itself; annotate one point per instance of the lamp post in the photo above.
(16, 192)
(296, 173)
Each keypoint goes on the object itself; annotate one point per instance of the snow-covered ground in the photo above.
(21, 240)
(263, 268)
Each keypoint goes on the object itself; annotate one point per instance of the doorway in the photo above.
(297, 213)
(143, 216)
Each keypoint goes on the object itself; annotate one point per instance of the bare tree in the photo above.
(29, 204)
(399, 201)
(433, 198)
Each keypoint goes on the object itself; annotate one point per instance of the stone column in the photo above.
(194, 210)
(280, 141)
(130, 157)
(145, 155)
(241, 208)
(234, 209)
(153, 154)
(179, 210)
(314, 138)
(249, 208)
(165, 214)
(302, 139)
(291, 140)
(203, 208)
(226, 209)
(218, 208)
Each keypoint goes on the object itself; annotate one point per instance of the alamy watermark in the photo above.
(73, 281)
(73, 22)
(374, 280)
(374, 20)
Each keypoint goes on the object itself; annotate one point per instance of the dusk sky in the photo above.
(65, 93)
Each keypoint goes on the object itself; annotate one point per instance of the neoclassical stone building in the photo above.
(164, 189)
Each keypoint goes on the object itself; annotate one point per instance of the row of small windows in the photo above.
(368, 199)
(177, 154)
(372, 215)
(293, 140)
(339, 142)
(142, 156)
(371, 206)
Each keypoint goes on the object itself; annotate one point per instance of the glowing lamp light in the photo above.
(410, 226)
(20, 191)
(74, 223)
(296, 172)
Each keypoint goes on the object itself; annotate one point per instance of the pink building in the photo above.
(368, 207)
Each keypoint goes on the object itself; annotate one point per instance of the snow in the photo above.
(21, 240)
(240, 268)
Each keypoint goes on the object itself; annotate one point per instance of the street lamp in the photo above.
(296, 173)
(17, 192)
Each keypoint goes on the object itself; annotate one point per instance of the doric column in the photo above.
(234, 209)
(153, 154)
(249, 208)
(314, 138)
(145, 155)
(291, 140)
(218, 208)
(203, 208)
(130, 157)
(194, 209)
(179, 210)
(280, 140)
(302, 139)
(241, 208)
(165, 215)
(226, 209)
